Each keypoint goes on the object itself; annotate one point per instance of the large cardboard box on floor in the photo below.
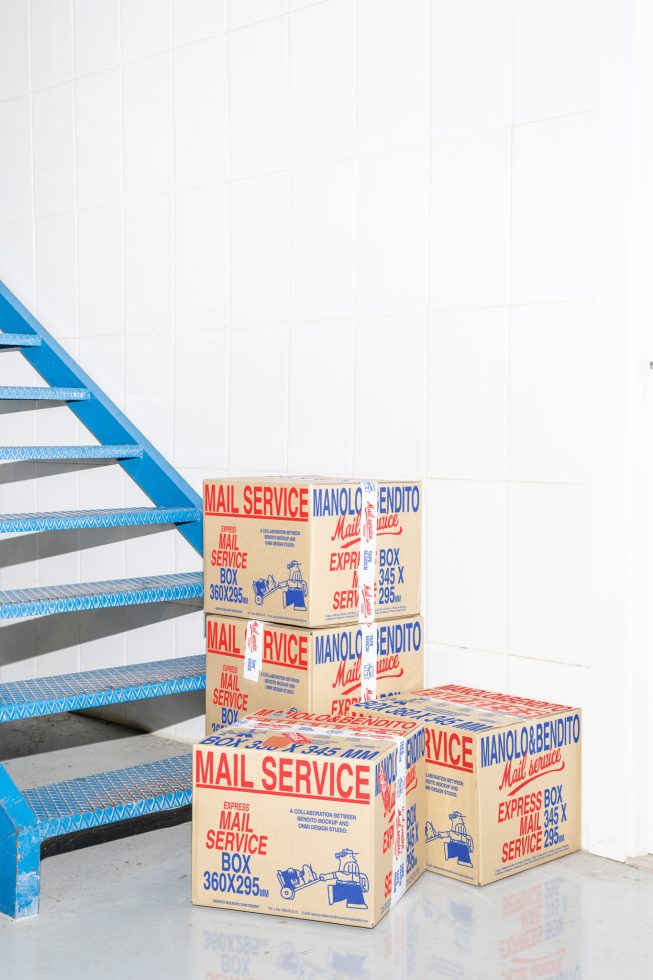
(290, 550)
(503, 779)
(257, 665)
(309, 816)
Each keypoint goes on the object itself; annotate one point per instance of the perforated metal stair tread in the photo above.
(20, 340)
(50, 599)
(41, 393)
(69, 520)
(96, 688)
(94, 801)
(52, 454)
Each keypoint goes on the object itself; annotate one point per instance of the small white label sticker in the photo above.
(253, 649)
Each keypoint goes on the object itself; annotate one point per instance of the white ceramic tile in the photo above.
(53, 114)
(100, 271)
(149, 393)
(392, 74)
(322, 56)
(57, 639)
(258, 400)
(148, 265)
(470, 668)
(549, 572)
(321, 397)
(258, 99)
(553, 209)
(15, 160)
(322, 246)
(103, 358)
(470, 220)
(56, 274)
(146, 27)
(390, 395)
(466, 564)
(259, 271)
(147, 97)
(201, 148)
(201, 390)
(550, 415)
(14, 49)
(96, 35)
(17, 259)
(102, 643)
(201, 258)
(546, 681)
(18, 651)
(98, 116)
(471, 66)
(392, 232)
(468, 394)
(555, 58)
(249, 11)
(194, 20)
(51, 33)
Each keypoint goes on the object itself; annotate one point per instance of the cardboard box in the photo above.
(502, 779)
(296, 550)
(308, 670)
(309, 816)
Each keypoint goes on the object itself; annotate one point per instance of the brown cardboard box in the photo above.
(502, 779)
(289, 550)
(308, 670)
(293, 816)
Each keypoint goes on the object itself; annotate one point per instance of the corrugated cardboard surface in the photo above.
(301, 828)
(287, 550)
(309, 670)
(503, 779)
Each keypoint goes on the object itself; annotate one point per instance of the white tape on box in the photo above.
(368, 661)
(253, 649)
(367, 562)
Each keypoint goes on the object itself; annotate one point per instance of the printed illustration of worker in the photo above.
(294, 589)
(457, 842)
(347, 883)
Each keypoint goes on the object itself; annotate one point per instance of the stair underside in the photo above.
(51, 454)
(94, 801)
(41, 393)
(51, 599)
(98, 688)
(71, 520)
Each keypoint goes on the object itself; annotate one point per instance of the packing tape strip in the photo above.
(399, 874)
(368, 661)
(253, 649)
(367, 552)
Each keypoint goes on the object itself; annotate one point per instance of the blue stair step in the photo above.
(20, 340)
(73, 520)
(52, 454)
(97, 688)
(50, 599)
(41, 393)
(39, 814)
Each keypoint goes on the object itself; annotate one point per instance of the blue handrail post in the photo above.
(20, 852)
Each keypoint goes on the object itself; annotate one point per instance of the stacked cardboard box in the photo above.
(312, 591)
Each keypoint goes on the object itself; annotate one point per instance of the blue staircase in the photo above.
(28, 817)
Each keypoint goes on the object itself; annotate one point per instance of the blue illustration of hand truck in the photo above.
(457, 842)
(295, 587)
(347, 883)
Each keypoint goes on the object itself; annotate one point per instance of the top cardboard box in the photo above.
(289, 550)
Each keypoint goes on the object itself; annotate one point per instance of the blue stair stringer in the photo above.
(29, 817)
(36, 815)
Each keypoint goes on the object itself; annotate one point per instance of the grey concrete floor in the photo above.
(122, 909)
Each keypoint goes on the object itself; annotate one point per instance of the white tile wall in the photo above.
(258, 224)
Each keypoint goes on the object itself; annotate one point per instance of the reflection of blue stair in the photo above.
(30, 816)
